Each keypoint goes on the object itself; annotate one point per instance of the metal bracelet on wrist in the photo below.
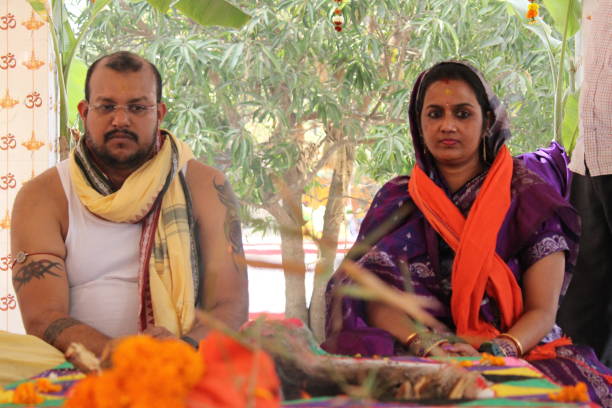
(507, 346)
(190, 341)
(425, 342)
(492, 348)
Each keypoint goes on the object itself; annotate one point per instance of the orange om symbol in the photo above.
(8, 142)
(33, 100)
(8, 181)
(8, 61)
(5, 263)
(8, 302)
(7, 22)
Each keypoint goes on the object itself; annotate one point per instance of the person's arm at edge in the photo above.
(223, 274)
(41, 282)
(541, 288)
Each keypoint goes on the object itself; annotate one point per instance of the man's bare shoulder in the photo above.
(46, 187)
(211, 193)
(40, 205)
(202, 176)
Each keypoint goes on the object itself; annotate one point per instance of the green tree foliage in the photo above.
(292, 42)
(565, 18)
(276, 101)
(66, 40)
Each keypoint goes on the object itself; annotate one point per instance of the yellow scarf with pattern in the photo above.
(154, 196)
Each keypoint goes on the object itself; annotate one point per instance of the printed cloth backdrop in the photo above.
(28, 125)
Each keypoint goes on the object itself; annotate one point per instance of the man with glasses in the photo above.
(131, 234)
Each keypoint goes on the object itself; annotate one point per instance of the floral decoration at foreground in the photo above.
(147, 372)
(29, 392)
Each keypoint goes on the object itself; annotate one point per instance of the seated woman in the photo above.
(486, 239)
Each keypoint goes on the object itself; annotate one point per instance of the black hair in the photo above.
(124, 61)
(454, 71)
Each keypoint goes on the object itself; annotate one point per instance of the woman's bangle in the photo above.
(424, 342)
(410, 339)
(517, 343)
(433, 346)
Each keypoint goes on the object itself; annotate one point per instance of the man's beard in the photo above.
(133, 161)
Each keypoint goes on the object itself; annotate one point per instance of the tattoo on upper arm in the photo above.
(35, 270)
(57, 327)
(233, 232)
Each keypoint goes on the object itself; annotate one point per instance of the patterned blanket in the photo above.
(516, 383)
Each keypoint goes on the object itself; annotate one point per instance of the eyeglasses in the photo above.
(135, 109)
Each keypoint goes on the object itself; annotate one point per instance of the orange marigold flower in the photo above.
(532, 12)
(82, 393)
(146, 372)
(45, 385)
(25, 393)
(571, 393)
(492, 360)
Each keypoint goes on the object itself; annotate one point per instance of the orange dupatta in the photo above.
(476, 267)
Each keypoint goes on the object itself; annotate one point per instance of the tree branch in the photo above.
(275, 198)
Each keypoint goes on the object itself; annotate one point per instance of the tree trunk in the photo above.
(332, 220)
(292, 252)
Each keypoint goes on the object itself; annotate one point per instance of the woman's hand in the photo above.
(454, 350)
(462, 350)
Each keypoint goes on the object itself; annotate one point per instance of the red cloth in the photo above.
(548, 350)
(234, 375)
(477, 267)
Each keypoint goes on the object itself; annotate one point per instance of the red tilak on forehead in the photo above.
(446, 81)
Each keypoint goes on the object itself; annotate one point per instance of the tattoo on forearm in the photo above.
(57, 327)
(35, 270)
(231, 226)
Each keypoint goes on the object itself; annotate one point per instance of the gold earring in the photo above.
(484, 151)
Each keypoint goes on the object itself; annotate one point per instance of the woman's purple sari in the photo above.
(538, 223)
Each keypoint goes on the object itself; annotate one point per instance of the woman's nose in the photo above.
(448, 124)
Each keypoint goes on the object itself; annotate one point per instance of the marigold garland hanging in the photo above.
(532, 11)
(337, 17)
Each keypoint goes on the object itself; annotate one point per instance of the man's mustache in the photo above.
(120, 133)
